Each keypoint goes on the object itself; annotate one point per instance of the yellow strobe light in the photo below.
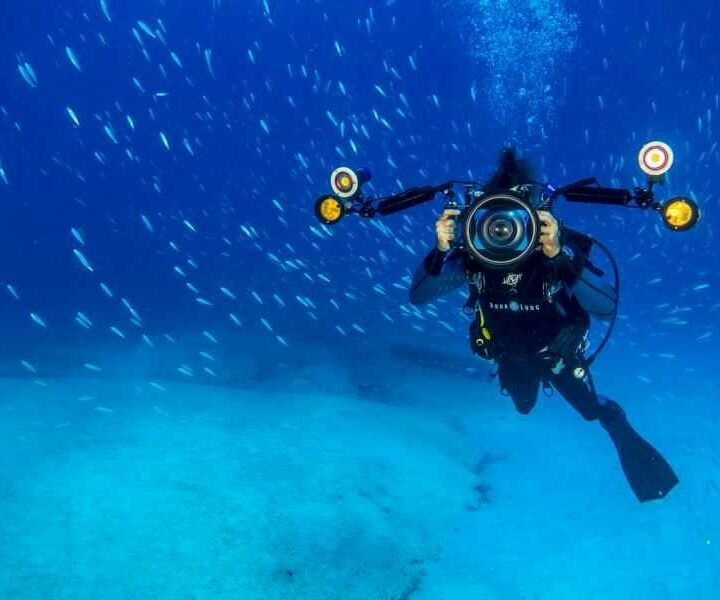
(680, 214)
(329, 209)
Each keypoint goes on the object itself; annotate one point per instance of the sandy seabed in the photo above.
(117, 489)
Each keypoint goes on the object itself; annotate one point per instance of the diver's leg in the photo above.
(521, 381)
(648, 473)
(573, 381)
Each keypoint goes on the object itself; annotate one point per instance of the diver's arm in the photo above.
(563, 255)
(439, 273)
(567, 264)
(594, 293)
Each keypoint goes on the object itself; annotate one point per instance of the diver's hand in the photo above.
(445, 228)
(549, 234)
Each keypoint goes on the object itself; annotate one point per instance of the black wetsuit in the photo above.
(529, 323)
(536, 328)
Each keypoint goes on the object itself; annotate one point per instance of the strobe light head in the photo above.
(680, 214)
(656, 159)
(329, 209)
(346, 182)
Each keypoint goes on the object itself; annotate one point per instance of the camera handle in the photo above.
(451, 203)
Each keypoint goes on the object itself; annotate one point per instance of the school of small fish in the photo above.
(184, 161)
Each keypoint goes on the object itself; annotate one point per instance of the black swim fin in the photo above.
(648, 473)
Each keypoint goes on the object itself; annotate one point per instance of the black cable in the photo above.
(611, 327)
(598, 290)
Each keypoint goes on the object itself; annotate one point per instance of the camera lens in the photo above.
(503, 229)
(500, 230)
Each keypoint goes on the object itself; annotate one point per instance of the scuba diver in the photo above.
(532, 322)
(532, 285)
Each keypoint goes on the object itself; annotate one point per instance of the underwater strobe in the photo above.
(679, 213)
(347, 195)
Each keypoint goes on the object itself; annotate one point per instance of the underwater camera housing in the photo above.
(499, 230)
(502, 229)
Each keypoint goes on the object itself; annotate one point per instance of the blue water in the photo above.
(163, 279)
